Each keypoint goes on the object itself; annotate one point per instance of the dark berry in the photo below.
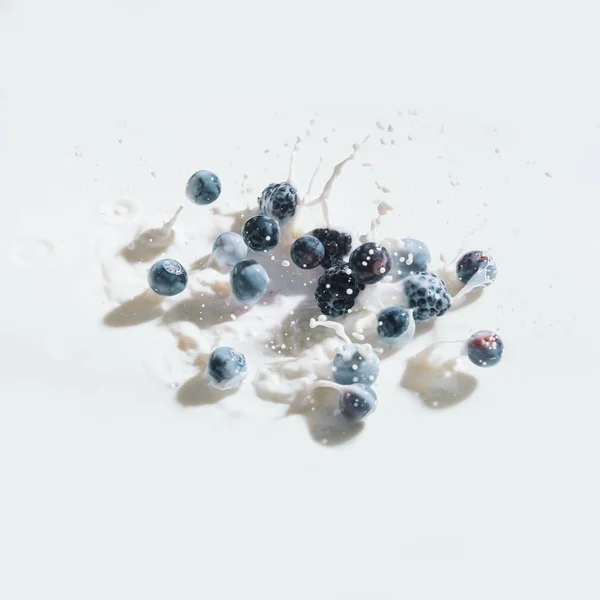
(392, 322)
(355, 364)
(357, 402)
(337, 245)
(472, 262)
(226, 367)
(167, 277)
(428, 295)
(370, 263)
(249, 281)
(412, 256)
(278, 201)
(307, 252)
(203, 187)
(337, 290)
(485, 348)
(261, 233)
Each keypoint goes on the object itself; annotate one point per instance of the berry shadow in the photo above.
(203, 312)
(141, 309)
(196, 391)
(440, 390)
(326, 425)
(139, 252)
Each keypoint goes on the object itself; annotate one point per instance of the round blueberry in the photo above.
(355, 364)
(357, 402)
(229, 249)
(392, 322)
(203, 187)
(226, 367)
(411, 257)
(370, 263)
(249, 281)
(167, 277)
(307, 252)
(474, 261)
(278, 201)
(261, 233)
(485, 348)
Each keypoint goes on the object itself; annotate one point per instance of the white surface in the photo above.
(111, 488)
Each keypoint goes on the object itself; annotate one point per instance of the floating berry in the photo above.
(355, 364)
(167, 277)
(427, 294)
(393, 322)
(357, 402)
(226, 368)
(412, 256)
(249, 281)
(474, 261)
(229, 249)
(261, 233)
(203, 187)
(278, 201)
(337, 290)
(337, 245)
(307, 252)
(485, 348)
(370, 263)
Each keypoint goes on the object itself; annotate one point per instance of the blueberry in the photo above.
(427, 294)
(249, 281)
(357, 402)
(167, 277)
(278, 201)
(226, 368)
(203, 187)
(472, 262)
(355, 364)
(229, 249)
(411, 257)
(392, 322)
(485, 348)
(370, 263)
(307, 252)
(261, 233)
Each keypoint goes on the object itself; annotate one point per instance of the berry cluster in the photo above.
(347, 271)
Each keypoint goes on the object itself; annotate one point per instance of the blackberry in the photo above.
(337, 290)
(337, 245)
(278, 201)
(428, 295)
(370, 263)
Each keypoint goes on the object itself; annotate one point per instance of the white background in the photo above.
(107, 493)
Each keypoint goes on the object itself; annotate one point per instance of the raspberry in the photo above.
(337, 290)
(428, 295)
(278, 201)
(337, 245)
